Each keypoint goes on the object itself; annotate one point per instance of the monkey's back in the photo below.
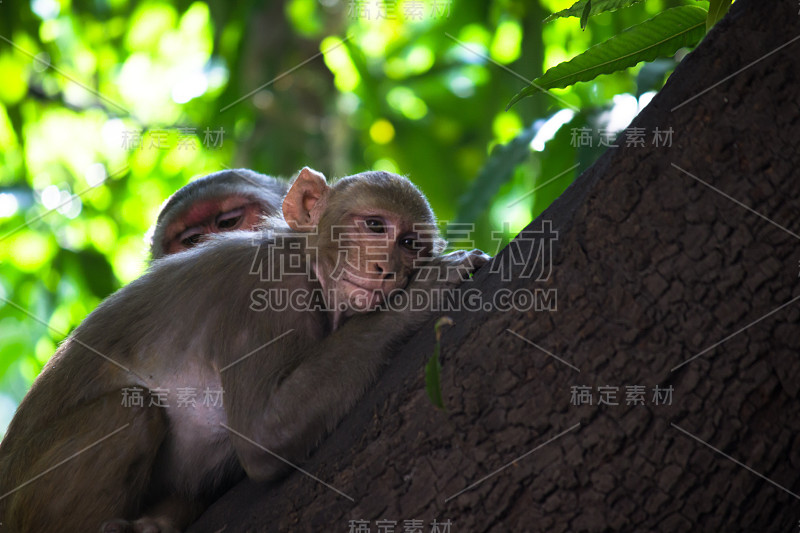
(135, 340)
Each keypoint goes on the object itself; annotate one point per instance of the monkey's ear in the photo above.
(305, 200)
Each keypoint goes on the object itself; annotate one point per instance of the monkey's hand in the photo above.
(449, 270)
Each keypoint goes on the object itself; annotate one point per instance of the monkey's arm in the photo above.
(312, 399)
(333, 375)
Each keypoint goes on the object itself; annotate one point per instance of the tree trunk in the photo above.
(674, 267)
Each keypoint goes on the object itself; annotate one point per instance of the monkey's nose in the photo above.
(383, 273)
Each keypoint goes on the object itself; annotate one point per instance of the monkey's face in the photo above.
(376, 254)
(216, 215)
(368, 231)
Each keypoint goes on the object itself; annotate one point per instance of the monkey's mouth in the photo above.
(363, 285)
(368, 296)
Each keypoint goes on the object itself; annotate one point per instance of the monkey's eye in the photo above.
(409, 243)
(230, 220)
(191, 240)
(376, 225)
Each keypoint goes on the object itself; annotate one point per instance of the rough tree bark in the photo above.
(657, 261)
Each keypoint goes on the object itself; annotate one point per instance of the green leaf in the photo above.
(597, 7)
(433, 385)
(716, 10)
(661, 36)
(433, 369)
(652, 75)
(587, 9)
(497, 170)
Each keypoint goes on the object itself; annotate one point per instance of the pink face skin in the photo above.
(211, 216)
(379, 253)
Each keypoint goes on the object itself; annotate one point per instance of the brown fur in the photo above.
(187, 323)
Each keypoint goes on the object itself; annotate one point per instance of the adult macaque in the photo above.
(227, 200)
(77, 457)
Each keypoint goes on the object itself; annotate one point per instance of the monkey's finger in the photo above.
(470, 262)
(478, 258)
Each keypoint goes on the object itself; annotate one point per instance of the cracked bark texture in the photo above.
(651, 267)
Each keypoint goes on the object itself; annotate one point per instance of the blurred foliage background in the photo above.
(109, 106)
